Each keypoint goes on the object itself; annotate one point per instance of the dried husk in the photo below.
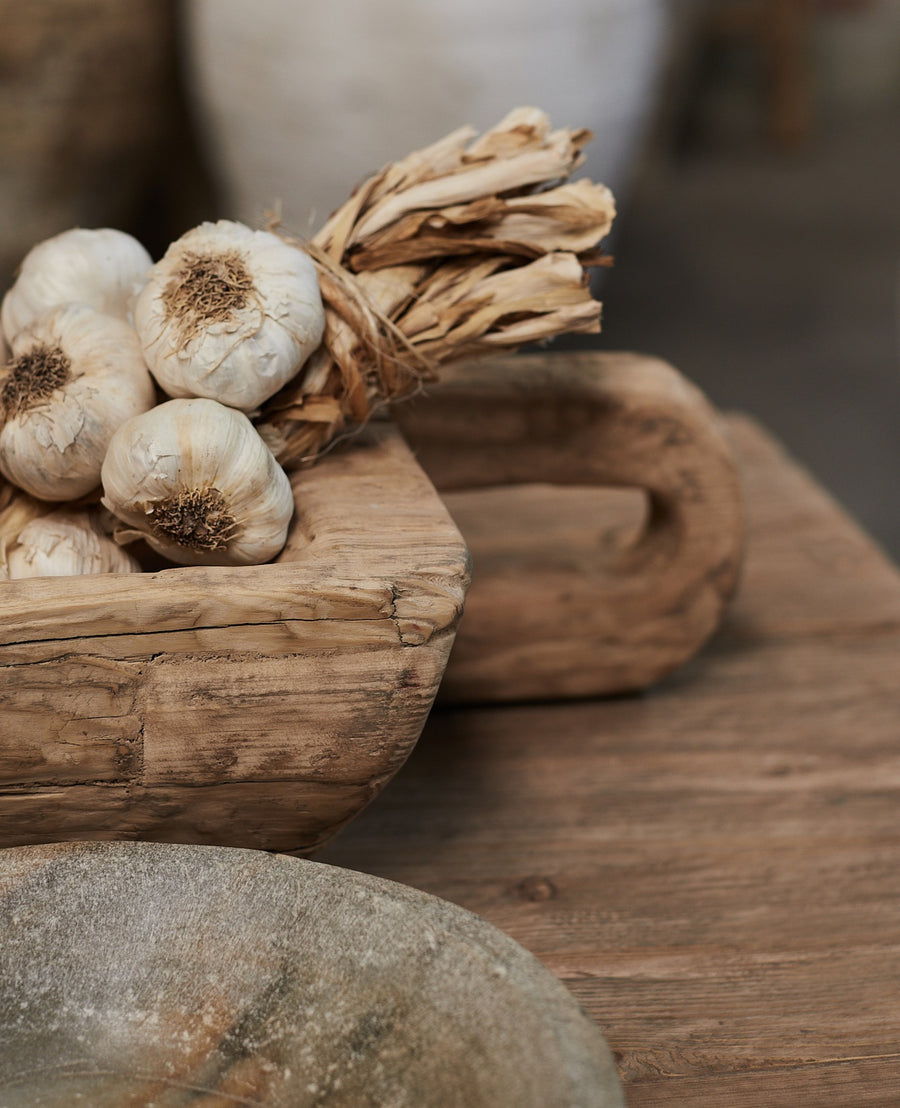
(474, 244)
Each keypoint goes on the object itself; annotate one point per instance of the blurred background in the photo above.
(753, 146)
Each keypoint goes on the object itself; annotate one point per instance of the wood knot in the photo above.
(537, 889)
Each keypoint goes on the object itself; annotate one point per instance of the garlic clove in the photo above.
(74, 377)
(66, 543)
(229, 314)
(197, 481)
(102, 267)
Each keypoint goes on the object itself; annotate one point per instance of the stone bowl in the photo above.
(137, 974)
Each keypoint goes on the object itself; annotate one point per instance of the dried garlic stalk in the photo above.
(471, 245)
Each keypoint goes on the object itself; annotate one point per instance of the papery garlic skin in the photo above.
(19, 509)
(66, 543)
(195, 479)
(75, 376)
(229, 314)
(101, 267)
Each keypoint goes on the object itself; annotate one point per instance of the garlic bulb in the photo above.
(195, 480)
(74, 377)
(229, 314)
(16, 510)
(66, 544)
(102, 267)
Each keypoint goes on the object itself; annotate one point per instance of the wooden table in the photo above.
(712, 867)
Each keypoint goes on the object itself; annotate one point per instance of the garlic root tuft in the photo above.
(33, 376)
(197, 519)
(205, 289)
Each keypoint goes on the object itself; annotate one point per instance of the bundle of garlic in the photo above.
(472, 245)
(228, 313)
(268, 346)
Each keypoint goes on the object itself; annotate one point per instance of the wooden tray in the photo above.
(600, 499)
(250, 706)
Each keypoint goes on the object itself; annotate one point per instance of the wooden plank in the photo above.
(342, 715)
(711, 866)
(808, 568)
(850, 1083)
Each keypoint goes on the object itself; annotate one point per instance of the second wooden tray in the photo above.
(600, 500)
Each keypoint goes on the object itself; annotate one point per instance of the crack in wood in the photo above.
(383, 617)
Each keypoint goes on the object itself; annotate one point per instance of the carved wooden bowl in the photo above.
(139, 973)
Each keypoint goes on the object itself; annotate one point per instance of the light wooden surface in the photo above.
(257, 706)
(712, 866)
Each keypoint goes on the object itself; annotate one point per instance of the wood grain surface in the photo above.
(711, 866)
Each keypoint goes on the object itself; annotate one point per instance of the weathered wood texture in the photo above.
(259, 706)
(712, 866)
(615, 606)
